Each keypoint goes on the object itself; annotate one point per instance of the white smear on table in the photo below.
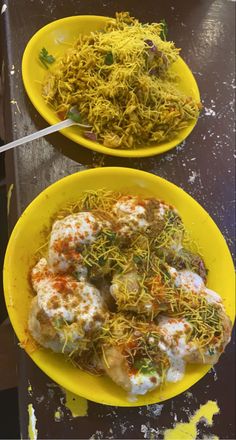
(39, 399)
(32, 431)
(12, 71)
(192, 177)
(151, 410)
(209, 112)
(123, 428)
(14, 102)
(4, 8)
(97, 435)
(214, 374)
(149, 432)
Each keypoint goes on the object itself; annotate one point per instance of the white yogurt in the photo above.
(190, 281)
(68, 236)
(174, 330)
(142, 383)
(176, 370)
(212, 297)
(64, 297)
(130, 215)
(187, 280)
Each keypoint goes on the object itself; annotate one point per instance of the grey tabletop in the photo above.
(203, 166)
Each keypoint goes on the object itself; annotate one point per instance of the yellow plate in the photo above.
(28, 236)
(55, 38)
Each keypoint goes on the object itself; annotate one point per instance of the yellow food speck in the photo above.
(76, 404)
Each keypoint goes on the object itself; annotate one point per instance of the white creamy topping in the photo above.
(212, 297)
(130, 215)
(88, 305)
(64, 297)
(36, 275)
(142, 383)
(130, 207)
(174, 344)
(174, 330)
(82, 227)
(173, 272)
(176, 370)
(162, 210)
(191, 281)
(69, 234)
(187, 280)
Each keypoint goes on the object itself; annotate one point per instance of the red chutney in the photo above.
(153, 379)
(40, 275)
(63, 245)
(64, 286)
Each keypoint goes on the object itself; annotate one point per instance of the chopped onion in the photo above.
(90, 135)
(151, 45)
(153, 71)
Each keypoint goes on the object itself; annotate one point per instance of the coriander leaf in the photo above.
(111, 236)
(74, 114)
(164, 31)
(211, 351)
(137, 259)
(145, 366)
(45, 58)
(101, 261)
(109, 59)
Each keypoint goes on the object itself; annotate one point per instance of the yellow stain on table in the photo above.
(188, 431)
(58, 414)
(29, 389)
(9, 194)
(76, 404)
(32, 431)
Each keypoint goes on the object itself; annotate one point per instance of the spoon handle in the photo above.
(38, 134)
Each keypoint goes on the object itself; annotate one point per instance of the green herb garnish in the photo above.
(109, 60)
(211, 351)
(111, 236)
(74, 114)
(145, 366)
(137, 259)
(101, 261)
(164, 31)
(45, 58)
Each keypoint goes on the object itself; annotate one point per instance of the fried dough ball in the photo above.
(131, 380)
(134, 214)
(126, 339)
(68, 238)
(65, 312)
(178, 341)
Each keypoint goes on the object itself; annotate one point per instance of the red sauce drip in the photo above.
(61, 115)
(61, 285)
(153, 379)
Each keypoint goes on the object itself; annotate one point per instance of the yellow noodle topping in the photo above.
(120, 82)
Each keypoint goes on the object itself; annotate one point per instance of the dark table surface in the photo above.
(203, 166)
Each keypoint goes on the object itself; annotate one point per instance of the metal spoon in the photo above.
(56, 127)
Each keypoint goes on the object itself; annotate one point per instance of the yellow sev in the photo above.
(205, 318)
(121, 86)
